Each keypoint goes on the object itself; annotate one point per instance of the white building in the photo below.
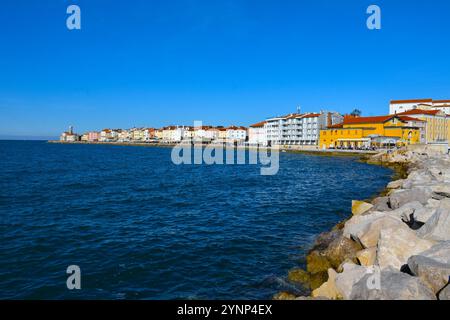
(205, 133)
(257, 134)
(109, 135)
(172, 134)
(299, 129)
(69, 136)
(236, 134)
(399, 106)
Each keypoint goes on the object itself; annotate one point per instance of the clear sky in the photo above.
(161, 62)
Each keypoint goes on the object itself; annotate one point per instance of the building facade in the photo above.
(437, 128)
(367, 132)
(257, 134)
(399, 106)
(236, 134)
(299, 129)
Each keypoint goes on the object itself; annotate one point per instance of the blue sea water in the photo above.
(140, 227)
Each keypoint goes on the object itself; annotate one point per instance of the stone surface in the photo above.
(341, 249)
(367, 256)
(381, 204)
(317, 262)
(395, 184)
(299, 276)
(432, 273)
(360, 207)
(438, 226)
(402, 197)
(370, 236)
(284, 296)
(396, 245)
(350, 275)
(408, 209)
(445, 293)
(442, 190)
(328, 289)
(357, 225)
(392, 285)
(432, 266)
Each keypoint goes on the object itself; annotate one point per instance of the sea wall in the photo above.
(395, 247)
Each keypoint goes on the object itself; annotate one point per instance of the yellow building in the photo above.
(437, 129)
(366, 132)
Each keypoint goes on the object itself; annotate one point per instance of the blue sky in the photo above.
(154, 63)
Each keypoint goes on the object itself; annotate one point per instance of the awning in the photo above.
(354, 140)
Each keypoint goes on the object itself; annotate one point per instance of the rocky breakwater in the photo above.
(396, 247)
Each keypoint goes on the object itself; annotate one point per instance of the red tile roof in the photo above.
(377, 119)
(412, 101)
(258, 125)
(441, 101)
(419, 111)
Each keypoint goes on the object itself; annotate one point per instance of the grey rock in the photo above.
(432, 273)
(395, 184)
(445, 293)
(392, 285)
(438, 226)
(397, 244)
(401, 197)
(350, 275)
(381, 204)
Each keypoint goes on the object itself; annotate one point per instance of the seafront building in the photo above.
(368, 132)
(93, 136)
(236, 134)
(437, 124)
(399, 106)
(69, 136)
(257, 134)
(299, 129)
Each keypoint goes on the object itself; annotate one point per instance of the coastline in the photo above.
(400, 237)
(313, 150)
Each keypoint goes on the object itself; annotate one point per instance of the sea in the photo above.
(139, 226)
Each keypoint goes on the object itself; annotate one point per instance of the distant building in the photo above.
(399, 106)
(172, 134)
(108, 135)
(257, 134)
(236, 134)
(93, 136)
(299, 129)
(69, 136)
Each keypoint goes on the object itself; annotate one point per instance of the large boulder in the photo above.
(328, 289)
(367, 256)
(432, 266)
(350, 275)
(390, 285)
(381, 204)
(369, 236)
(360, 207)
(397, 244)
(341, 249)
(395, 184)
(357, 225)
(442, 190)
(438, 226)
(402, 197)
(408, 210)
